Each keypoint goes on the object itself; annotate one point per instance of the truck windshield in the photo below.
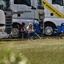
(26, 2)
(40, 4)
(0, 4)
(59, 2)
(4, 4)
(63, 2)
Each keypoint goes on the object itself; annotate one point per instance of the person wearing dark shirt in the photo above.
(22, 30)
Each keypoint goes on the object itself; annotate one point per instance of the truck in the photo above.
(49, 14)
(18, 11)
(54, 17)
(3, 34)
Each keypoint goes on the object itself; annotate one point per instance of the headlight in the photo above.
(3, 31)
(0, 30)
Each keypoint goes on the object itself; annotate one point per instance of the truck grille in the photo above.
(8, 15)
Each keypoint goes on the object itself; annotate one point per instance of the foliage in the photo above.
(12, 56)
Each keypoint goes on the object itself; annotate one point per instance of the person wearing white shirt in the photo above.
(30, 31)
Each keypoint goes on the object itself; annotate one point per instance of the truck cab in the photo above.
(22, 11)
(26, 11)
(54, 16)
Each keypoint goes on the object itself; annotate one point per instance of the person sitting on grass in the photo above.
(30, 31)
(22, 30)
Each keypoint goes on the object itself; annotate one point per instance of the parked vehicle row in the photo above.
(49, 14)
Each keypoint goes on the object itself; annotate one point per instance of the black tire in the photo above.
(15, 31)
(49, 29)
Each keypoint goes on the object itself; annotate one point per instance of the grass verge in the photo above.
(41, 51)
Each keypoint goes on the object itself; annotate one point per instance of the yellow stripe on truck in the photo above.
(52, 9)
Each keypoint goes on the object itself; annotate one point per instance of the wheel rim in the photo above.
(15, 32)
(49, 30)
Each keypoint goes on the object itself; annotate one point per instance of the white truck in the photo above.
(3, 34)
(21, 11)
(49, 13)
(54, 16)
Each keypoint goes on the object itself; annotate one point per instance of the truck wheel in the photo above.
(15, 32)
(48, 30)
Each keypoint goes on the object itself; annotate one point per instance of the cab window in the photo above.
(59, 2)
(26, 2)
(40, 4)
(4, 4)
(63, 2)
(1, 5)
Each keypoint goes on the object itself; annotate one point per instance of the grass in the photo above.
(40, 51)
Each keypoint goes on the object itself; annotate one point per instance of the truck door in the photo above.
(24, 9)
(13, 5)
(40, 8)
(41, 14)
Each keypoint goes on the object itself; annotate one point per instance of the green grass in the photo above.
(53, 54)
(43, 51)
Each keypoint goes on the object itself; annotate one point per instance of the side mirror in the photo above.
(40, 7)
(33, 7)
